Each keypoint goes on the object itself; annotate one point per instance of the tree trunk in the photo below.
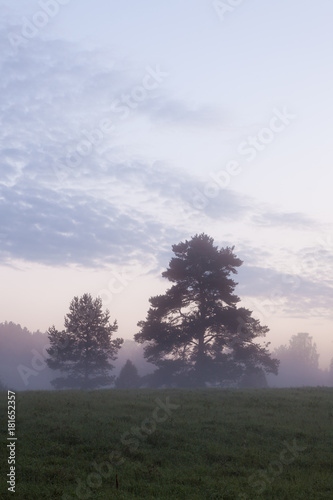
(86, 375)
(200, 363)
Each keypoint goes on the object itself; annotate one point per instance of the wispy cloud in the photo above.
(176, 112)
(304, 291)
(292, 220)
(108, 205)
(41, 225)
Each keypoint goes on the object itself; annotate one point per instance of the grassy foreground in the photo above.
(172, 444)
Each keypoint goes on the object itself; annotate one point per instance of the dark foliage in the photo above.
(128, 377)
(195, 332)
(84, 348)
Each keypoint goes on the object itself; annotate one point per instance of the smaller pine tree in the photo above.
(85, 348)
(128, 376)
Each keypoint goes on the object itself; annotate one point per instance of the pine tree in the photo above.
(195, 330)
(84, 349)
(128, 376)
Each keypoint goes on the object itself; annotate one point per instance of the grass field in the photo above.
(172, 444)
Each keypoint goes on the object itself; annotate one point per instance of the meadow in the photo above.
(169, 444)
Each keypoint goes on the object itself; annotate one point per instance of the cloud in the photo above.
(177, 112)
(292, 220)
(304, 293)
(72, 191)
(129, 208)
(41, 225)
(102, 204)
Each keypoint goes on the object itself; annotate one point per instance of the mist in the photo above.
(23, 366)
(23, 354)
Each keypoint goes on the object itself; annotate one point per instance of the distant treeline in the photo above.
(23, 354)
(23, 366)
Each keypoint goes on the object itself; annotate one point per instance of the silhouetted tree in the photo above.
(84, 348)
(301, 351)
(254, 377)
(128, 376)
(168, 374)
(299, 362)
(303, 348)
(195, 332)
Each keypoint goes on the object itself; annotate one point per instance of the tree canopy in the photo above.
(84, 349)
(195, 333)
(299, 361)
(128, 376)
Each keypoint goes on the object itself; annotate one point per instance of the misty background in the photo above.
(23, 366)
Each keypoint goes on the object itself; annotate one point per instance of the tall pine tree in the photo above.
(195, 333)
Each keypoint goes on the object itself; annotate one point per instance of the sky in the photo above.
(127, 127)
